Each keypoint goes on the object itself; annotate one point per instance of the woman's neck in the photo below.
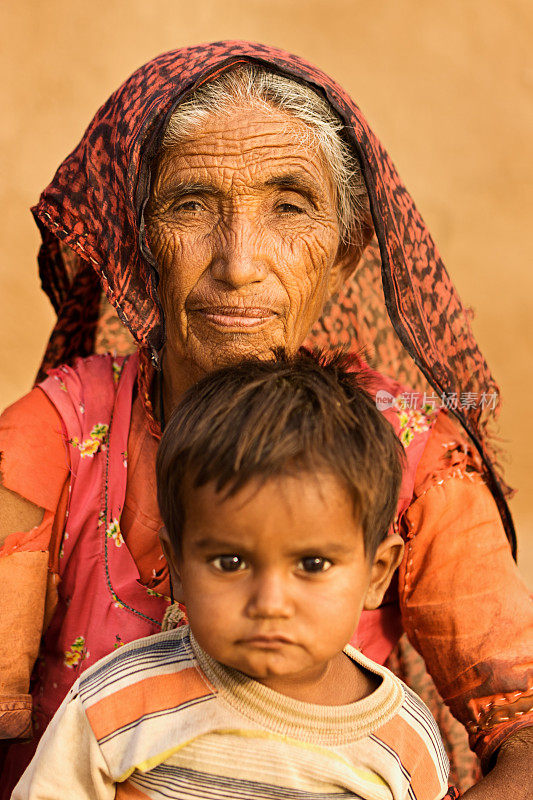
(171, 383)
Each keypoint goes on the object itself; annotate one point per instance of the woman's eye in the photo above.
(289, 208)
(188, 205)
(314, 564)
(228, 563)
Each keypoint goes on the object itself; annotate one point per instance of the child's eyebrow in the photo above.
(209, 542)
(323, 549)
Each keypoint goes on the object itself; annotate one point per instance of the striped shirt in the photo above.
(160, 719)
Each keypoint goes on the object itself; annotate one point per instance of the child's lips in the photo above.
(270, 640)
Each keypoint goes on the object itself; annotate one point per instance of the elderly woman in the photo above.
(225, 198)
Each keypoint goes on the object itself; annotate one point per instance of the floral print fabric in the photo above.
(101, 603)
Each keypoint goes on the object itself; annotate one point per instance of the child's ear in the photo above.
(173, 564)
(386, 558)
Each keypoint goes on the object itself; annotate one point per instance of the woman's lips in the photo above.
(235, 316)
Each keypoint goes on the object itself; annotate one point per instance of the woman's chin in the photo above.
(234, 347)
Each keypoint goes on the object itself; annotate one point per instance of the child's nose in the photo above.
(269, 597)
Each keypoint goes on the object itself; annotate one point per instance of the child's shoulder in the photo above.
(150, 658)
(412, 740)
(125, 696)
(405, 729)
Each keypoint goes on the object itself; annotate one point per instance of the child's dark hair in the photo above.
(261, 419)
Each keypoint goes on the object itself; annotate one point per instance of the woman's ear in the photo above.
(387, 557)
(349, 256)
(344, 266)
(173, 564)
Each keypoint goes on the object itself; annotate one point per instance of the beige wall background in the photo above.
(448, 87)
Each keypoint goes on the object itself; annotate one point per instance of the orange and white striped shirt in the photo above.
(160, 719)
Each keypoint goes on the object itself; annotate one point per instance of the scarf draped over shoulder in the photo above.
(400, 306)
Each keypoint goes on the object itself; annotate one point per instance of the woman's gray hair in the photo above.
(252, 85)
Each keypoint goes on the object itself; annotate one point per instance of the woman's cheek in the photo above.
(307, 286)
(173, 281)
(165, 246)
(176, 257)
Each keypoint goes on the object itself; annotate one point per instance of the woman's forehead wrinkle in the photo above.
(239, 145)
(303, 165)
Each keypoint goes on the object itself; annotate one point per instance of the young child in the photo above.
(278, 483)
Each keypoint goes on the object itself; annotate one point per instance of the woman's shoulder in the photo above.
(34, 431)
(33, 404)
(448, 453)
(34, 459)
(31, 407)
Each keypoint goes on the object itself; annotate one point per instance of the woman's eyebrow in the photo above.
(181, 189)
(295, 182)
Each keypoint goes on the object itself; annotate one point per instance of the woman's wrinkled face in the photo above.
(242, 223)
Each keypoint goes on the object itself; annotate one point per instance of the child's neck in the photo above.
(341, 682)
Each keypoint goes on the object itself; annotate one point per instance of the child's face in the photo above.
(275, 578)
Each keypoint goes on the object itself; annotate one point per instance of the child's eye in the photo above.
(314, 564)
(228, 563)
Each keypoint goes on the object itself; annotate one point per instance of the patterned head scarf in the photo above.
(400, 305)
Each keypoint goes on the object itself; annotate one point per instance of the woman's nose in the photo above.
(269, 597)
(239, 260)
